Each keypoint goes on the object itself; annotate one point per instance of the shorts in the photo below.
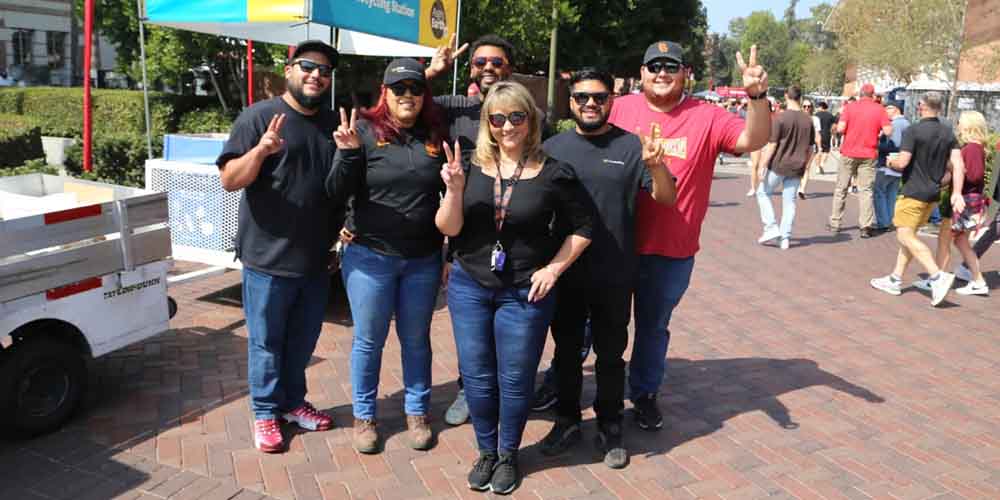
(911, 212)
(825, 143)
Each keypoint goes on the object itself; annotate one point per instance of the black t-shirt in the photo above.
(611, 170)
(462, 114)
(826, 121)
(930, 142)
(527, 238)
(286, 220)
(395, 189)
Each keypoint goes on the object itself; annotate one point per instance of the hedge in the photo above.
(118, 158)
(20, 140)
(203, 121)
(36, 166)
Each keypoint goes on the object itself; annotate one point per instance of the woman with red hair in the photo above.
(389, 163)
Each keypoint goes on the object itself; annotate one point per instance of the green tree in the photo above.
(771, 38)
(823, 72)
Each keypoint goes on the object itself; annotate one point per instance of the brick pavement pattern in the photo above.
(788, 377)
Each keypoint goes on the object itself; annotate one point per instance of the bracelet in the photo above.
(757, 97)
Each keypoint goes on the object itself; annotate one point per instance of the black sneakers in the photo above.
(545, 398)
(506, 475)
(647, 414)
(609, 440)
(562, 437)
(482, 471)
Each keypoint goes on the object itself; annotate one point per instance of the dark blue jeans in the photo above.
(378, 287)
(884, 194)
(662, 283)
(499, 336)
(284, 317)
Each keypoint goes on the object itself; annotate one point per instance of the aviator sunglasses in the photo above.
(516, 118)
(656, 66)
(325, 70)
(400, 88)
(582, 98)
(480, 62)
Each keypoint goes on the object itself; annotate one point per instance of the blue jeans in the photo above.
(378, 287)
(499, 336)
(789, 188)
(284, 317)
(662, 283)
(885, 190)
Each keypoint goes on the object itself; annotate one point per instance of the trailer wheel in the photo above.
(171, 307)
(42, 381)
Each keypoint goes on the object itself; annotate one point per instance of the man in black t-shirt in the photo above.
(612, 165)
(826, 122)
(924, 156)
(279, 153)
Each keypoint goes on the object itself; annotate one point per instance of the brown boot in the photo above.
(419, 432)
(365, 436)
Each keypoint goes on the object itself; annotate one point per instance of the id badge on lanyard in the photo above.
(501, 201)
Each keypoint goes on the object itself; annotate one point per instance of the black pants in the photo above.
(609, 309)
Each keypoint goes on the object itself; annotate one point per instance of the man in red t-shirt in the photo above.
(860, 123)
(693, 134)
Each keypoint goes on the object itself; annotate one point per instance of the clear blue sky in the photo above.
(721, 11)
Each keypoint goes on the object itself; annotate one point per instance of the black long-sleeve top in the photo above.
(527, 237)
(396, 188)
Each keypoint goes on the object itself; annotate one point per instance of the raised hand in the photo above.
(271, 142)
(652, 146)
(451, 172)
(346, 135)
(445, 55)
(754, 76)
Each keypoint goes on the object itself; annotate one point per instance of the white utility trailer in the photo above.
(83, 272)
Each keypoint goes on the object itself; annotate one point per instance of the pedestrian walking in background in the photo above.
(887, 179)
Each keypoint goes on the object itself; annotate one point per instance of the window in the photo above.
(55, 44)
(21, 40)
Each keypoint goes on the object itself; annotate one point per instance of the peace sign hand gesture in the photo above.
(652, 147)
(451, 172)
(754, 76)
(446, 55)
(271, 142)
(346, 135)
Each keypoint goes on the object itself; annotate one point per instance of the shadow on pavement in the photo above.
(697, 400)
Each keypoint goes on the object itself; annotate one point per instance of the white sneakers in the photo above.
(784, 243)
(974, 288)
(937, 287)
(887, 284)
(940, 287)
(771, 233)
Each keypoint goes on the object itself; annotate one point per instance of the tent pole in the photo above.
(454, 65)
(249, 72)
(88, 37)
(145, 84)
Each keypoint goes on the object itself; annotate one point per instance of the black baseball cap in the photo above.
(404, 68)
(664, 50)
(316, 46)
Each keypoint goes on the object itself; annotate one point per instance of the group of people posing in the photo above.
(531, 235)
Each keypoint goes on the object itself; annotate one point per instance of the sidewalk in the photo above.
(789, 377)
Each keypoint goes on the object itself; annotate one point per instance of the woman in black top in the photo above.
(498, 214)
(389, 164)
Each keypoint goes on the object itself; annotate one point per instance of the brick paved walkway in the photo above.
(788, 377)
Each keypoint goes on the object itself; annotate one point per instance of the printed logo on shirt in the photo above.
(675, 147)
(614, 162)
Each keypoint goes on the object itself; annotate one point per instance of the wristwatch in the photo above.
(758, 96)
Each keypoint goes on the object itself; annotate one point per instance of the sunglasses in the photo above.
(400, 88)
(480, 62)
(325, 70)
(516, 118)
(582, 98)
(656, 67)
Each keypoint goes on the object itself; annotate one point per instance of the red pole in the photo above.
(249, 72)
(291, 50)
(88, 36)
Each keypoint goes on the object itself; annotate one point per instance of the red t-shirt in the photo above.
(863, 119)
(694, 133)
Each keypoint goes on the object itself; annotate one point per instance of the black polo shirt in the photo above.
(930, 142)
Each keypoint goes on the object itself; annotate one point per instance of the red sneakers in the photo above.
(267, 436)
(309, 418)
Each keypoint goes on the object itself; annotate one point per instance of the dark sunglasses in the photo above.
(516, 118)
(480, 62)
(400, 88)
(308, 66)
(656, 67)
(582, 98)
